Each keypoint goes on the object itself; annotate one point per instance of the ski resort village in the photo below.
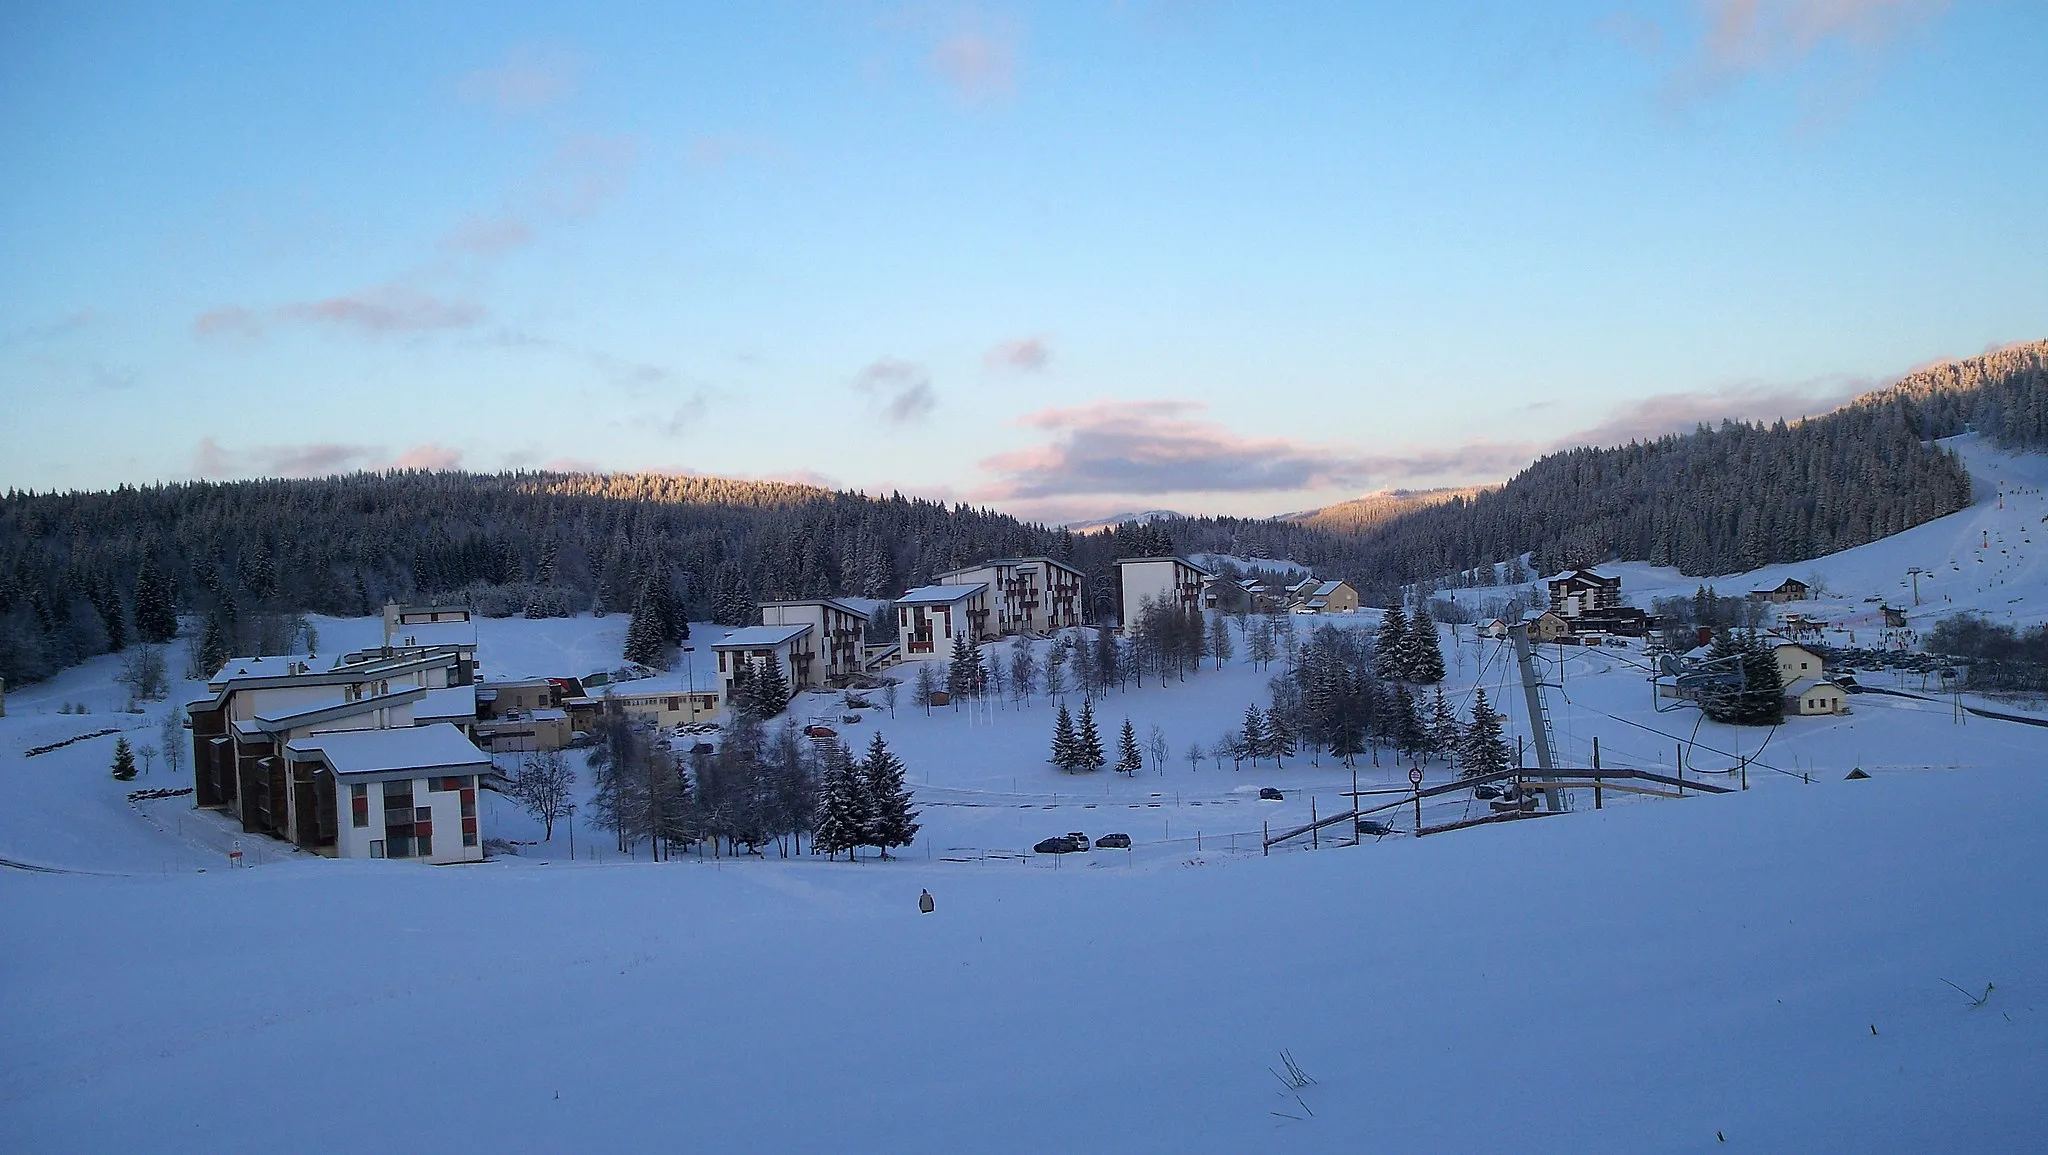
(988, 577)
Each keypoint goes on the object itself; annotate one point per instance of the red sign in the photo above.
(1415, 777)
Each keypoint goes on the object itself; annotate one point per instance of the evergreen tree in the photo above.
(216, 641)
(644, 642)
(770, 689)
(156, 619)
(893, 820)
(1444, 731)
(1063, 752)
(1253, 738)
(963, 673)
(1280, 733)
(1390, 646)
(1409, 737)
(1088, 753)
(1128, 758)
(1745, 689)
(1483, 750)
(1425, 657)
(124, 760)
(842, 812)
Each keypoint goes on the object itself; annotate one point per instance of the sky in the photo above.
(1062, 260)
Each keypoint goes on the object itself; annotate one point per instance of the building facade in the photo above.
(791, 648)
(928, 618)
(840, 631)
(1035, 595)
(1173, 581)
(1580, 591)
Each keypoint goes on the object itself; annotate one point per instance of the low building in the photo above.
(1490, 628)
(791, 648)
(410, 630)
(1225, 596)
(928, 618)
(522, 714)
(1789, 590)
(1815, 696)
(1618, 621)
(1034, 595)
(840, 631)
(1796, 663)
(1546, 625)
(407, 793)
(1172, 581)
(1578, 591)
(1326, 597)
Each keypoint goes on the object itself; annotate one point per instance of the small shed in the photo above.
(1815, 696)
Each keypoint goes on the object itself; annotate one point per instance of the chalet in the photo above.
(792, 648)
(1225, 595)
(1172, 581)
(1326, 597)
(1618, 621)
(1815, 696)
(1491, 628)
(1796, 663)
(1789, 590)
(929, 617)
(1578, 591)
(840, 629)
(1546, 625)
(1034, 595)
(408, 793)
(244, 734)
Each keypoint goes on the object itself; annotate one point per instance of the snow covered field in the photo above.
(1768, 966)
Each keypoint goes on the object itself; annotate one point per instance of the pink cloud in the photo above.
(583, 174)
(979, 66)
(1743, 38)
(490, 236)
(229, 320)
(387, 309)
(1029, 354)
(313, 459)
(530, 78)
(432, 456)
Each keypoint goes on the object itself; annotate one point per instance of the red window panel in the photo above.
(422, 829)
(469, 826)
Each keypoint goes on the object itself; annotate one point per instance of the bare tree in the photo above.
(172, 735)
(148, 753)
(1155, 743)
(1195, 755)
(889, 691)
(542, 788)
(143, 672)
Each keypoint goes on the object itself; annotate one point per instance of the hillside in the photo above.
(1367, 513)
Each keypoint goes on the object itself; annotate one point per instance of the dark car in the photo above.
(1376, 829)
(1059, 845)
(1270, 794)
(1486, 790)
(1113, 842)
(1079, 839)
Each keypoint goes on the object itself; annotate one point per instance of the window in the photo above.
(469, 838)
(426, 846)
(398, 846)
(376, 848)
(469, 804)
(359, 805)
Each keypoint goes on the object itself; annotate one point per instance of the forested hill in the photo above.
(85, 573)
(1737, 497)
(1364, 514)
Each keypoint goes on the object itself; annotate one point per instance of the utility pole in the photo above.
(1916, 571)
(1539, 718)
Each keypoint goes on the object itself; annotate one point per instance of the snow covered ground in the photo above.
(1768, 966)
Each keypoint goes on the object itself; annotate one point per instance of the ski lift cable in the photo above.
(1695, 740)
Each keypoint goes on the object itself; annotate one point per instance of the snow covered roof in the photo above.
(1008, 561)
(328, 712)
(761, 637)
(836, 603)
(434, 634)
(437, 747)
(258, 667)
(940, 595)
(1804, 686)
(447, 702)
(1177, 560)
(1327, 588)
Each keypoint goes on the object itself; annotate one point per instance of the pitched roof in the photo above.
(835, 603)
(1203, 570)
(1805, 685)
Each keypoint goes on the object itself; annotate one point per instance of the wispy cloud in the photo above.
(314, 459)
(61, 327)
(902, 389)
(716, 150)
(980, 65)
(490, 236)
(1653, 417)
(1029, 354)
(377, 312)
(1734, 40)
(530, 77)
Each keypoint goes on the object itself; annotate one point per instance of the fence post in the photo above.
(1265, 839)
(1596, 773)
(1315, 842)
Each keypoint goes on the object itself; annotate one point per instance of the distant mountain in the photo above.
(1376, 509)
(1114, 520)
(1727, 499)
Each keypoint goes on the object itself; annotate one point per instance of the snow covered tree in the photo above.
(1252, 739)
(769, 689)
(1088, 753)
(1390, 645)
(1425, 655)
(542, 788)
(1442, 725)
(843, 818)
(1263, 646)
(1408, 734)
(1483, 750)
(963, 672)
(216, 640)
(1108, 662)
(1129, 759)
(156, 619)
(1280, 733)
(1063, 755)
(1747, 689)
(893, 820)
(644, 643)
(124, 760)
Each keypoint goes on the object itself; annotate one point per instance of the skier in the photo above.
(924, 900)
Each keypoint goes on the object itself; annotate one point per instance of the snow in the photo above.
(1771, 965)
(438, 746)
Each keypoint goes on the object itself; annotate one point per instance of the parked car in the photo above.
(1113, 842)
(1079, 840)
(1374, 828)
(1270, 794)
(1486, 790)
(1059, 845)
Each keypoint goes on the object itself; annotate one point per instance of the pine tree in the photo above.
(156, 619)
(1088, 754)
(770, 689)
(1409, 737)
(963, 673)
(1444, 732)
(1425, 650)
(1128, 759)
(893, 820)
(1280, 733)
(1253, 739)
(216, 641)
(1219, 640)
(644, 642)
(1390, 646)
(842, 811)
(1483, 750)
(124, 760)
(1063, 755)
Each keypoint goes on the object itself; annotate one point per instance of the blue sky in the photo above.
(1063, 260)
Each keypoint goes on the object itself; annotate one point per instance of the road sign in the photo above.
(1415, 777)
